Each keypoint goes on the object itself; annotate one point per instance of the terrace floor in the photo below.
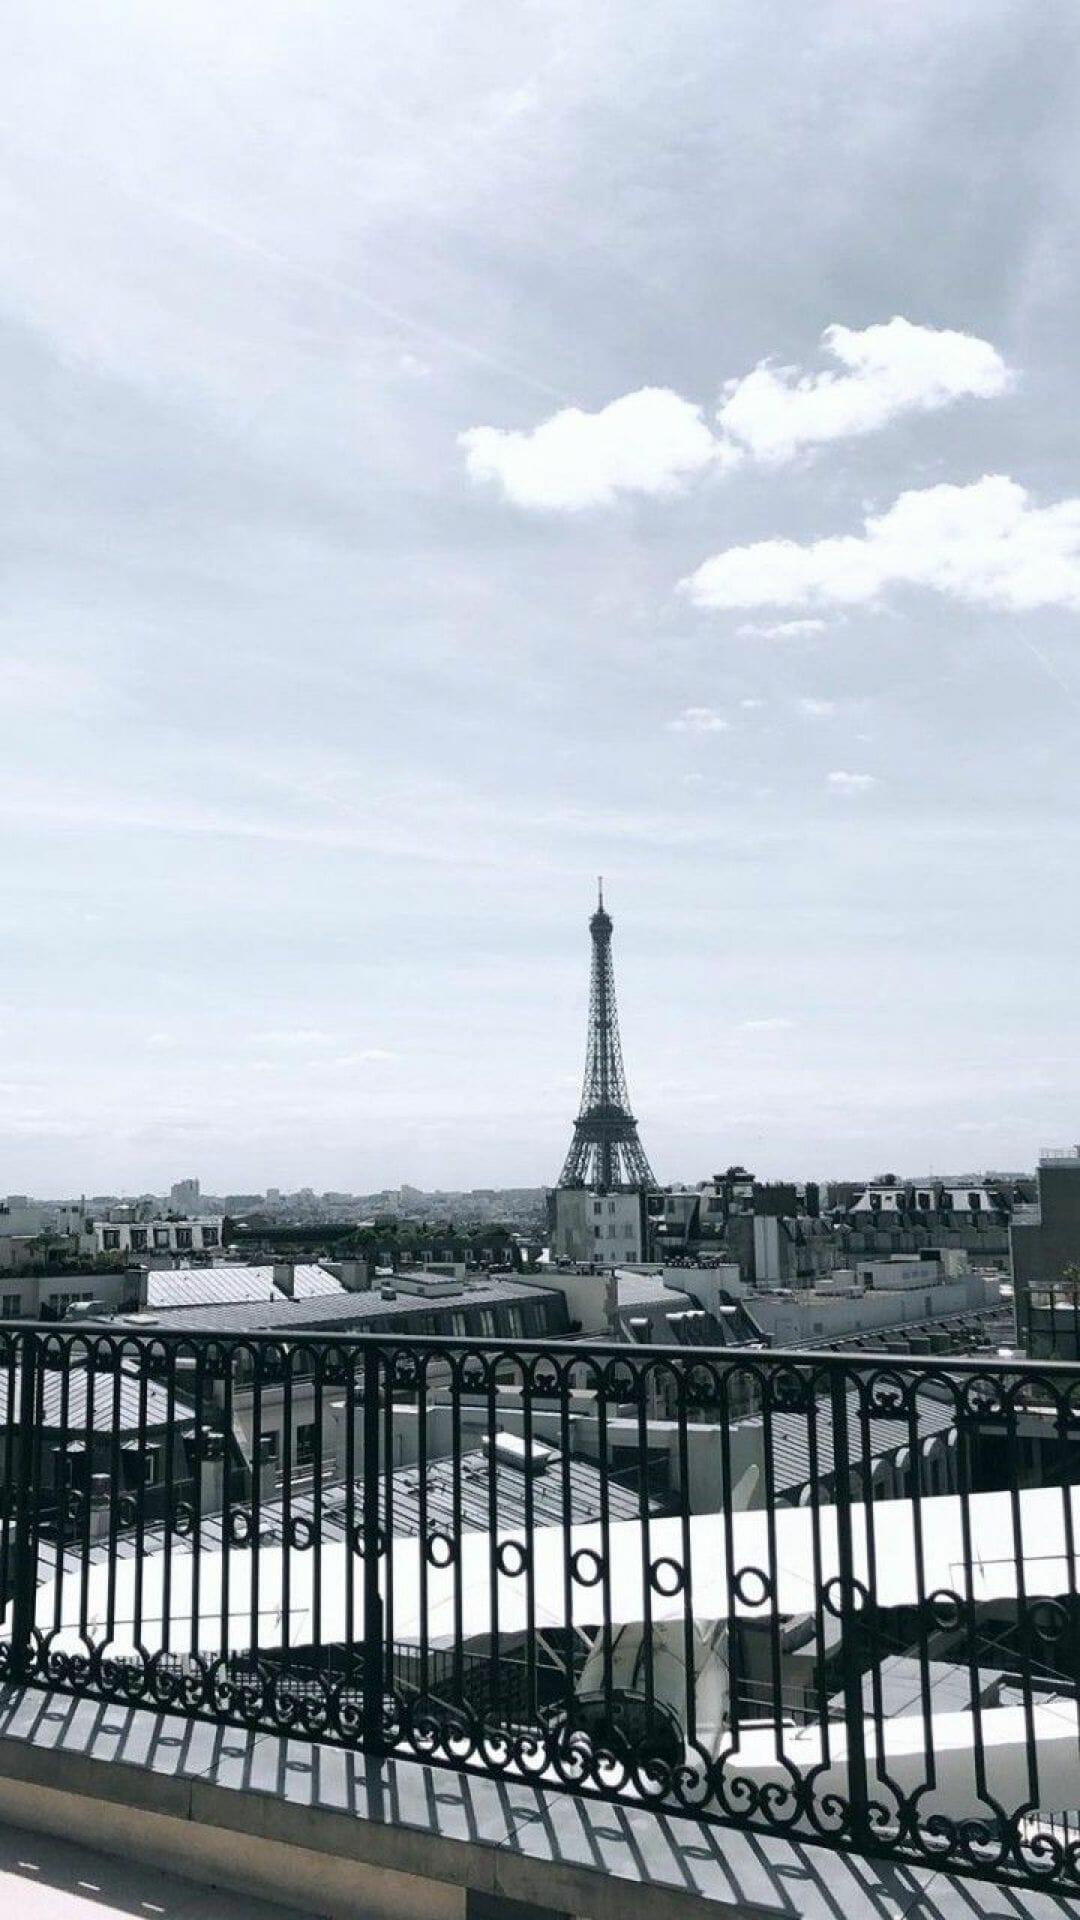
(184, 1808)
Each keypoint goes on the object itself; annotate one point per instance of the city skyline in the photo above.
(591, 442)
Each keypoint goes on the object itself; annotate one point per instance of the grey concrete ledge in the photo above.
(340, 1834)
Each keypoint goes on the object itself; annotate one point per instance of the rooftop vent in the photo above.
(510, 1450)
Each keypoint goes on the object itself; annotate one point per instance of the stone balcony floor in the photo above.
(401, 1837)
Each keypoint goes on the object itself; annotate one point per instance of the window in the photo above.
(628, 1230)
(611, 1206)
(974, 1201)
(183, 1236)
(612, 1231)
(138, 1239)
(12, 1306)
(596, 1233)
(598, 1206)
(110, 1239)
(305, 1444)
(211, 1237)
(161, 1236)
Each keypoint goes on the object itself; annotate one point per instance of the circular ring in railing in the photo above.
(511, 1558)
(1048, 1618)
(667, 1577)
(945, 1607)
(440, 1550)
(239, 1528)
(842, 1597)
(586, 1567)
(301, 1532)
(751, 1586)
(182, 1520)
(127, 1510)
(358, 1543)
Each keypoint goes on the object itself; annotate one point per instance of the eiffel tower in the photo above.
(605, 1152)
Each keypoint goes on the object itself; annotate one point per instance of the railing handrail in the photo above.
(583, 1345)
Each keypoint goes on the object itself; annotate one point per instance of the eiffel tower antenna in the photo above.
(605, 1151)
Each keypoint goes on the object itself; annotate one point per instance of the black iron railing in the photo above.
(829, 1597)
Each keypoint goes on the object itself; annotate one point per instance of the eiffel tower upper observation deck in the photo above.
(605, 1151)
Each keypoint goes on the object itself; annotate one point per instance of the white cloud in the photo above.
(893, 368)
(775, 1025)
(817, 709)
(781, 630)
(751, 706)
(698, 720)
(851, 782)
(368, 1056)
(648, 442)
(984, 543)
(653, 441)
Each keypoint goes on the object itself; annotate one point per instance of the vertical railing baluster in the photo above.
(318, 1359)
(25, 1532)
(850, 1639)
(373, 1611)
(423, 1679)
(458, 1525)
(386, 1503)
(686, 1549)
(142, 1361)
(61, 1473)
(350, 1516)
(287, 1449)
(257, 1357)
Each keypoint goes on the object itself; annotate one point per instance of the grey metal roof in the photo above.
(173, 1287)
(115, 1400)
(647, 1290)
(886, 1434)
(578, 1500)
(345, 1310)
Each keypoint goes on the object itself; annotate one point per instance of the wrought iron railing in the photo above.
(829, 1597)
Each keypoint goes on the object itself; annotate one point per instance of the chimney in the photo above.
(611, 1305)
(355, 1275)
(284, 1277)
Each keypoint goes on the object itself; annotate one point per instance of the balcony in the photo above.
(772, 1598)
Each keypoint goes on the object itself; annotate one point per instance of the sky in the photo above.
(450, 452)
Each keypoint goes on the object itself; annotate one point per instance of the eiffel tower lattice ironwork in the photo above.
(605, 1151)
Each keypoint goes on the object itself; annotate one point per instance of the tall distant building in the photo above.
(598, 1210)
(184, 1196)
(605, 1152)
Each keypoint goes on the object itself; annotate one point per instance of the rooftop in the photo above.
(344, 1309)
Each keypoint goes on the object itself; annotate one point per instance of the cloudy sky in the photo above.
(452, 451)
